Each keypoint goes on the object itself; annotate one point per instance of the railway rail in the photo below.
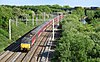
(31, 54)
(9, 56)
(41, 47)
(34, 55)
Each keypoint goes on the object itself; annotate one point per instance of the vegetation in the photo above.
(7, 13)
(79, 42)
(19, 14)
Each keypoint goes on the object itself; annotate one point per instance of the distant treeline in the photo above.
(7, 12)
(22, 12)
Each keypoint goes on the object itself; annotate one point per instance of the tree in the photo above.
(66, 7)
(79, 43)
(79, 11)
(97, 14)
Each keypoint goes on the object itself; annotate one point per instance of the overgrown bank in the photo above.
(79, 42)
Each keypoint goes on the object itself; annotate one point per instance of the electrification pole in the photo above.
(44, 16)
(61, 15)
(36, 20)
(53, 30)
(33, 19)
(26, 21)
(16, 21)
(58, 20)
(9, 29)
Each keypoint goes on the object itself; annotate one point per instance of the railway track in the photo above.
(39, 51)
(47, 53)
(7, 54)
(10, 56)
(34, 55)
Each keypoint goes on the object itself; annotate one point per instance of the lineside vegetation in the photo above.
(79, 42)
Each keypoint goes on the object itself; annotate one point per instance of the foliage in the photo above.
(93, 16)
(66, 7)
(79, 42)
(9, 12)
(21, 14)
(97, 14)
(79, 11)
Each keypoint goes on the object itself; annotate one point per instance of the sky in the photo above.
(72, 3)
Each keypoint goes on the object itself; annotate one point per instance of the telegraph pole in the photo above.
(9, 29)
(53, 30)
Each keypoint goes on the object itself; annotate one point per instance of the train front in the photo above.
(25, 44)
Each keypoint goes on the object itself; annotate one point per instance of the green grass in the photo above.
(16, 32)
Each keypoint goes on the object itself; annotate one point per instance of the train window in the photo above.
(26, 40)
(33, 33)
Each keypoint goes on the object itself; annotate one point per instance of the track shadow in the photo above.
(13, 46)
(52, 31)
(48, 30)
(45, 54)
(53, 46)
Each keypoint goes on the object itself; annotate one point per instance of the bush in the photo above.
(79, 43)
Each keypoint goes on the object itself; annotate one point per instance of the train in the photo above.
(28, 41)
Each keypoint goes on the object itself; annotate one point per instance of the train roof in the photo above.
(29, 36)
(39, 27)
(25, 39)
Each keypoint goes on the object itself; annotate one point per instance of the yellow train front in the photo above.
(25, 44)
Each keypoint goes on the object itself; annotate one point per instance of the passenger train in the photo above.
(28, 41)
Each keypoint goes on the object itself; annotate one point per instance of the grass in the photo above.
(16, 32)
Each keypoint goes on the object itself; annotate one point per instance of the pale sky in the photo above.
(84, 3)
